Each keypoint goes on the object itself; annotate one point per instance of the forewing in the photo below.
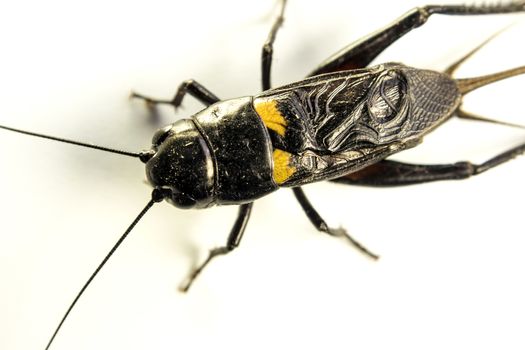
(333, 124)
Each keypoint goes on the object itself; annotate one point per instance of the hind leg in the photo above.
(392, 173)
(360, 53)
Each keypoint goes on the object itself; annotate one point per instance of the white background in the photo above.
(452, 266)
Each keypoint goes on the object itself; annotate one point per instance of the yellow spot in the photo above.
(270, 115)
(281, 166)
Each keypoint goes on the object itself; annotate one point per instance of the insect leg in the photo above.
(233, 242)
(321, 225)
(191, 87)
(360, 53)
(391, 173)
(267, 50)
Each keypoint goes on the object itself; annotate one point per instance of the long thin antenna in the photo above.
(156, 196)
(77, 143)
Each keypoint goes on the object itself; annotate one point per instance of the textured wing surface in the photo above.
(332, 124)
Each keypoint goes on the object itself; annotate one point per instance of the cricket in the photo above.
(344, 122)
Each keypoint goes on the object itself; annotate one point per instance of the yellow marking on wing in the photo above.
(281, 166)
(270, 115)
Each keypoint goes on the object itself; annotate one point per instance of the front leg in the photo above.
(191, 87)
(233, 242)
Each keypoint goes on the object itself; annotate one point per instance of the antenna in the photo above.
(156, 196)
(140, 155)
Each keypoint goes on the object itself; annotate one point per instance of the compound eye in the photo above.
(161, 135)
(387, 97)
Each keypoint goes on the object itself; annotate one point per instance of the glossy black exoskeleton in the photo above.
(223, 155)
(338, 124)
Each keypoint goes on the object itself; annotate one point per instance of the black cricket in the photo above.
(338, 124)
